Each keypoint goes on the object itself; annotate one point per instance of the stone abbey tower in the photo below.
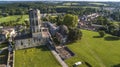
(35, 21)
(38, 33)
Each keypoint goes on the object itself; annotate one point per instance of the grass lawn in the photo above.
(99, 4)
(115, 22)
(35, 57)
(67, 6)
(13, 18)
(95, 51)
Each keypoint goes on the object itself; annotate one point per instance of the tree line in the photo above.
(23, 7)
(108, 26)
(69, 20)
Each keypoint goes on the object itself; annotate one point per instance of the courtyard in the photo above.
(35, 57)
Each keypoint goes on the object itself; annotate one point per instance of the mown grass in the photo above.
(35, 57)
(95, 51)
(67, 6)
(99, 4)
(115, 22)
(14, 18)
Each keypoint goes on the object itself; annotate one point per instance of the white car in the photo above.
(78, 63)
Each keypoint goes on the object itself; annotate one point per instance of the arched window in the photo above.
(21, 43)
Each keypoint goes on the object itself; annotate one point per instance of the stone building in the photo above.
(2, 38)
(6, 32)
(38, 34)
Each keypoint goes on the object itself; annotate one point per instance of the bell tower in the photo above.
(35, 21)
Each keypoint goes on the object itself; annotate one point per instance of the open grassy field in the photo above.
(115, 22)
(13, 18)
(68, 6)
(99, 4)
(35, 57)
(96, 51)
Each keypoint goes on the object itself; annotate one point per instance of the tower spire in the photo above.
(35, 20)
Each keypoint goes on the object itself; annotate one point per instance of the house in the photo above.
(8, 31)
(61, 34)
(52, 28)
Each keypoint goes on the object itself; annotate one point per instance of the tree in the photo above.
(74, 34)
(59, 19)
(101, 33)
(52, 19)
(113, 27)
(5, 14)
(119, 30)
(115, 16)
(27, 23)
(70, 20)
(12, 12)
(102, 20)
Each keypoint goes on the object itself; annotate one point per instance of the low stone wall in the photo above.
(66, 48)
(58, 58)
(10, 61)
(28, 43)
(13, 58)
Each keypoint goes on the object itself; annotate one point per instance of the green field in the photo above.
(115, 22)
(99, 4)
(14, 18)
(96, 51)
(68, 4)
(35, 57)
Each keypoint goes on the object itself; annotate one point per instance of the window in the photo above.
(36, 22)
(21, 43)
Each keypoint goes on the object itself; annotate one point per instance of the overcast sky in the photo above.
(62, 0)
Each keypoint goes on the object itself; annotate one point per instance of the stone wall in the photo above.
(27, 43)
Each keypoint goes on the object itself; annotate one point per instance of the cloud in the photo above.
(60, 0)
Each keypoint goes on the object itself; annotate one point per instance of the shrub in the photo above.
(101, 33)
(74, 34)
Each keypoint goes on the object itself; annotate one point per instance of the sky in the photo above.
(64, 0)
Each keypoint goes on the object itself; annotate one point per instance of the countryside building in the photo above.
(38, 33)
